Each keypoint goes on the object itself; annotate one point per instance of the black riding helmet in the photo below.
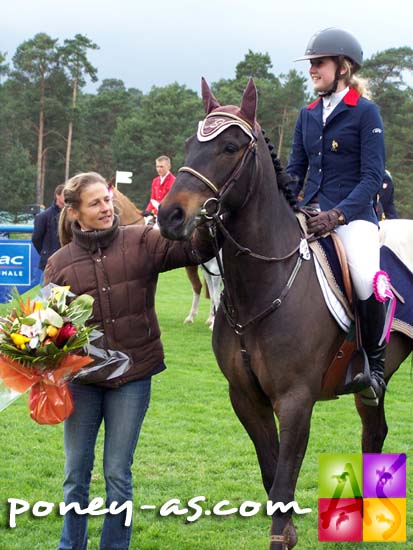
(333, 42)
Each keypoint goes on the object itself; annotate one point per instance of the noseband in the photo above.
(227, 186)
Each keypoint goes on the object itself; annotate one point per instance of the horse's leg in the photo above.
(213, 283)
(255, 413)
(374, 430)
(192, 273)
(294, 414)
(215, 295)
(208, 283)
(194, 308)
(373, 419)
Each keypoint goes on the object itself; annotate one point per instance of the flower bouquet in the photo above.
(38, 339)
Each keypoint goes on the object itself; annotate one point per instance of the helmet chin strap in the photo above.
(331, 91)
(338, 76)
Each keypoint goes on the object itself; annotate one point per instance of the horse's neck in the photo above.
(128, 212)
(266, 226)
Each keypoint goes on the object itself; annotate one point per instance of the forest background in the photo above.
(51, 128)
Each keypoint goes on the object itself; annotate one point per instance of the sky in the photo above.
(149, 43)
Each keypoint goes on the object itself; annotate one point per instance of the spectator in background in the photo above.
(45, 237)
(384, 205)
(160, 186)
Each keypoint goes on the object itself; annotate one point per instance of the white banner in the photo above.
(123, 177)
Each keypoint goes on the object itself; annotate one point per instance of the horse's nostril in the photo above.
(171, 222)
(177, 217)
(171, 217)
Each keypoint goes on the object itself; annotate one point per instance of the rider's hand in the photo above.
(323, 222)
(149, 219)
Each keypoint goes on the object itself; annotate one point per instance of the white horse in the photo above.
(397, 235)
(213, 280)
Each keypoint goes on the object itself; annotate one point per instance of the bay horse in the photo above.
(130, 214)
(273, 337)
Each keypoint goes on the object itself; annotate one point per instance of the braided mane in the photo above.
(283, 178)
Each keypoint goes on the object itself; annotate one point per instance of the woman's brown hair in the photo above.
(72, 198)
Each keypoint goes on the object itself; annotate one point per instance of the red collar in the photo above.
(351, 98)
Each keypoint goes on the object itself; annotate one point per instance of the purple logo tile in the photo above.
(384, 475)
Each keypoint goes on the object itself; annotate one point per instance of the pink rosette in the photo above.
(382, 286)
(383, 292)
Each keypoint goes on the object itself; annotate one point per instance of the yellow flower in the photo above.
(19, 340)
(51, 331)
(38, 306)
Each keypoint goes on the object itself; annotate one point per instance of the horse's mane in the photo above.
(284, 179)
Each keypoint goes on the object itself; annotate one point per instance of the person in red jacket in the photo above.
(160, 186)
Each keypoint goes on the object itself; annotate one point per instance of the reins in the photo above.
(216, 222)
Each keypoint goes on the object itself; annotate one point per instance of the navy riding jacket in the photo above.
(341, 163)
(45, 235)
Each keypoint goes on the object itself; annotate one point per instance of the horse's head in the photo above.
(218, 165)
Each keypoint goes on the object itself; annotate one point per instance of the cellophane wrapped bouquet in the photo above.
(38, 341)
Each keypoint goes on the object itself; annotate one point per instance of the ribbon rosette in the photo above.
(37, 341)
(383, 292)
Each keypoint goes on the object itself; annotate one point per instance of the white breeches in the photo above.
(361, 244)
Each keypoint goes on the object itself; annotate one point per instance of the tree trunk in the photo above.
(70, 130)
(281, 133)
(39, 189)
(43, 178)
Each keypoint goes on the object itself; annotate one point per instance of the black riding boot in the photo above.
(372, 319)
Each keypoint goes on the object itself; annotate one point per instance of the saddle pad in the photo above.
(333, 303)
(401, 279)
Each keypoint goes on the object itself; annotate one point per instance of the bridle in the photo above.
(214, 218)
(221, 192)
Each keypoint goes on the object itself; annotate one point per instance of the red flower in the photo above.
(67, 331)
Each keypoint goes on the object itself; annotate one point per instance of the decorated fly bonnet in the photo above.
(220, 118)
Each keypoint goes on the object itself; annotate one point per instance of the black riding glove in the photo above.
(321, 223)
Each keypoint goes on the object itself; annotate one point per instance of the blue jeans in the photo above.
(122, 410)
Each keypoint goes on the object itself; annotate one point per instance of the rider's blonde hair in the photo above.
(360, 84)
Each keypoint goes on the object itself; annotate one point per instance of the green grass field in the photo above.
(191, 445)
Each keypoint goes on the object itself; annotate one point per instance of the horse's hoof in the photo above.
(188, 321)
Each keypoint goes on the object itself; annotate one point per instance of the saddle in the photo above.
(347, 361)
(331, 266)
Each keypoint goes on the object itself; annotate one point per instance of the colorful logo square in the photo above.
(340, 476)
(340, 519)
(384, 519)
(362, 498)
(384, 476)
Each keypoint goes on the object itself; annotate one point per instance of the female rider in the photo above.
(338, 150)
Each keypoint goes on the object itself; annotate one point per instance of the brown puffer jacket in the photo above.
(119, 268)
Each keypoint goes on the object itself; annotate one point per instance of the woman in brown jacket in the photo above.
(119, 267)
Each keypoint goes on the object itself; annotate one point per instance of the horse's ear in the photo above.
(249, 102)
(210, 101)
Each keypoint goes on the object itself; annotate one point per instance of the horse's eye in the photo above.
(230, 149)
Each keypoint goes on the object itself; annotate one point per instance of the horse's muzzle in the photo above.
(173, 223)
